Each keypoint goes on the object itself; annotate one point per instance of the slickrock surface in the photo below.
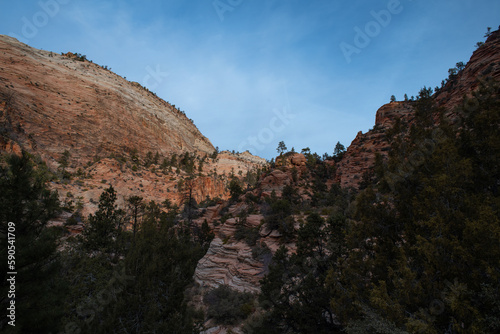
(59, 102)
(52, 103)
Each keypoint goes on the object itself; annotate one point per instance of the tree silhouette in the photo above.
(281, 148)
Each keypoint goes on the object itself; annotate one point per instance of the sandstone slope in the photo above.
(94, 129)
(56, 102)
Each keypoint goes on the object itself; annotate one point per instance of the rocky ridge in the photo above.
(95, 129)
(359, 158)
(63, 101)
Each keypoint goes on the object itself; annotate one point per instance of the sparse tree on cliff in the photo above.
(339, 150)
(281, 148)
(136, 207)
(235, 189)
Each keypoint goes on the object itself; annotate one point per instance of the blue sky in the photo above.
(253, 73)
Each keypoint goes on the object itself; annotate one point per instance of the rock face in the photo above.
(51, 103)
(229, 261)
(57, 102)
(360, 155)
(484, 63)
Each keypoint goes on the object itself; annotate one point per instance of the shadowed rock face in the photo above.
(360, 155)
(484, 63)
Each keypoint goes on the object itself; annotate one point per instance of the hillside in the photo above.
(94, 128)
(63, 102)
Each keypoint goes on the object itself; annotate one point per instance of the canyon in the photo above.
(93, 129)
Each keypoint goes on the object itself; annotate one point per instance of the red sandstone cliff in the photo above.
(359, 158)
(51, 104)
(54, 102)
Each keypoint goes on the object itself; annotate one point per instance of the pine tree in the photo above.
(426, 248)
(104, 226)
(136, 207)
(339, 150)
(29, 205)
(160, 266)
(281, 148)
(295, 289)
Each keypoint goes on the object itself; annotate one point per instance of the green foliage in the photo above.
(421, 253)
(428, 243)
(235, 189)
(155, 301)
(262, 252)
(228, 306)
(136, 208)
(281, 148)
(187, 162)
(295, 288)
(64, 160)
(206, 235)
(105, 225)
(339, 151)
(249, 234)
(28, 204)
(279, 210)
(143, 292)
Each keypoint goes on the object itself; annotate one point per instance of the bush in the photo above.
(262, 253)
(227, 306)
(235, 189)
(249, 234)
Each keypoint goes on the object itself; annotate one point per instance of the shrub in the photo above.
(262, 252)
(228, 306)
(249, 234)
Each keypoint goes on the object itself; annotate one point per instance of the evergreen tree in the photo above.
(29, 205)
(104, 226)
(339, 150)
(426, 253)
(161, 266)
(136, 207)
(295, 289)
(235, 189)
(281, 148)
